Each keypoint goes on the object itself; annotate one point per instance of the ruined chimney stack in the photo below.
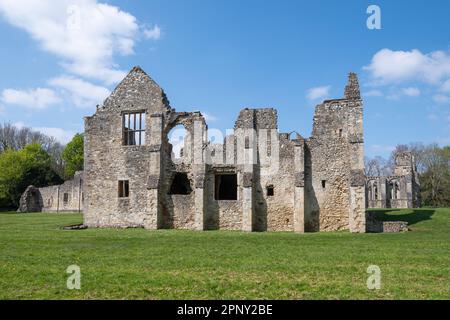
(352, 89)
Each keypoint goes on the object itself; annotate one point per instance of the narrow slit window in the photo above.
(324, 184)
(247, 142)
(340, 133)
(133, 128)
(66, 197)
(124, 189)
(270, 191)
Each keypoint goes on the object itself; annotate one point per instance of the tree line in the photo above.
(433, 168)
(29, 157)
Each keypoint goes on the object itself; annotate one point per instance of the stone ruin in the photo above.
(258, 179)
(402, 190)
(67, 197)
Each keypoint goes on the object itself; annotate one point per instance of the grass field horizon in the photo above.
(173, 264)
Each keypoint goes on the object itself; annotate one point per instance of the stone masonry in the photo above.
(67, 197)
(258, 179)
(402, 190)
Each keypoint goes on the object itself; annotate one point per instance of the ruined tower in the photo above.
(335, 181)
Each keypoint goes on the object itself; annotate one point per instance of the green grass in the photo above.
(168, 264)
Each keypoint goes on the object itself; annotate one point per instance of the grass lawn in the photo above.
(168, 264)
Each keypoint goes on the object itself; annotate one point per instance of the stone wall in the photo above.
(284, 182)
(67, 197)
(401, 190)
(376, 226)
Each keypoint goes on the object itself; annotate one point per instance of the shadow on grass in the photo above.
(416, 216)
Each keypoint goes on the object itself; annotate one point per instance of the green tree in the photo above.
(435, 181)
(21, 168)
(73, 156)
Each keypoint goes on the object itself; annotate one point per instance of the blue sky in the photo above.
(60, 58)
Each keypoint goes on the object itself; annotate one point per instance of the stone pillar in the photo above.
(357, 214)
(357, 210)
(247, 180)
(382, 192)
(409, 192)
(299, 191)
(153, 220)
(200, 136)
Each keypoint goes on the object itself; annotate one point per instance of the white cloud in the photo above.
(209, 117)
(441, 99)
(39, 98)
(84, 34)
(373, 93)
(411, 91)
(318, 92)
(445, 87)
(82, 93)
(388, 66)
(62, 135)
(154, 33)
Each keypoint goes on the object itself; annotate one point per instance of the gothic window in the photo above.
(133, 128)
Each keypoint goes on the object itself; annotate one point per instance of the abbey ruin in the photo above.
(402, 190)
(258, 179)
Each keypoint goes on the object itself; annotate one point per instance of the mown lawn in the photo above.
(167, 264)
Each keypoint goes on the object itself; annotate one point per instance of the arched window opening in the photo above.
(177, 137)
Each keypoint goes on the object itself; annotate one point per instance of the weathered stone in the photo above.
(153, 182)
(357, 178)
(300, 179)
(67, 197)
(247, 180)
(31, 200)
(402, 190)
(281, 183)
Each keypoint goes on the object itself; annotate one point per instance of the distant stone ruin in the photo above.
(67, 197)
(402, 190)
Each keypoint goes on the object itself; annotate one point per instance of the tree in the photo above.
(376, 167)
(21, 168)
(15, 138)
(435, 180)
(73, 156)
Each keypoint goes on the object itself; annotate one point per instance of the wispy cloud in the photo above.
(81, 93)
(318, 93)
(85, 34)
(39, 98)
(445, 87)
(373, 93)
(411, 91)
(153, 33)
(209, 117)
(62, 135)
(441, 99)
